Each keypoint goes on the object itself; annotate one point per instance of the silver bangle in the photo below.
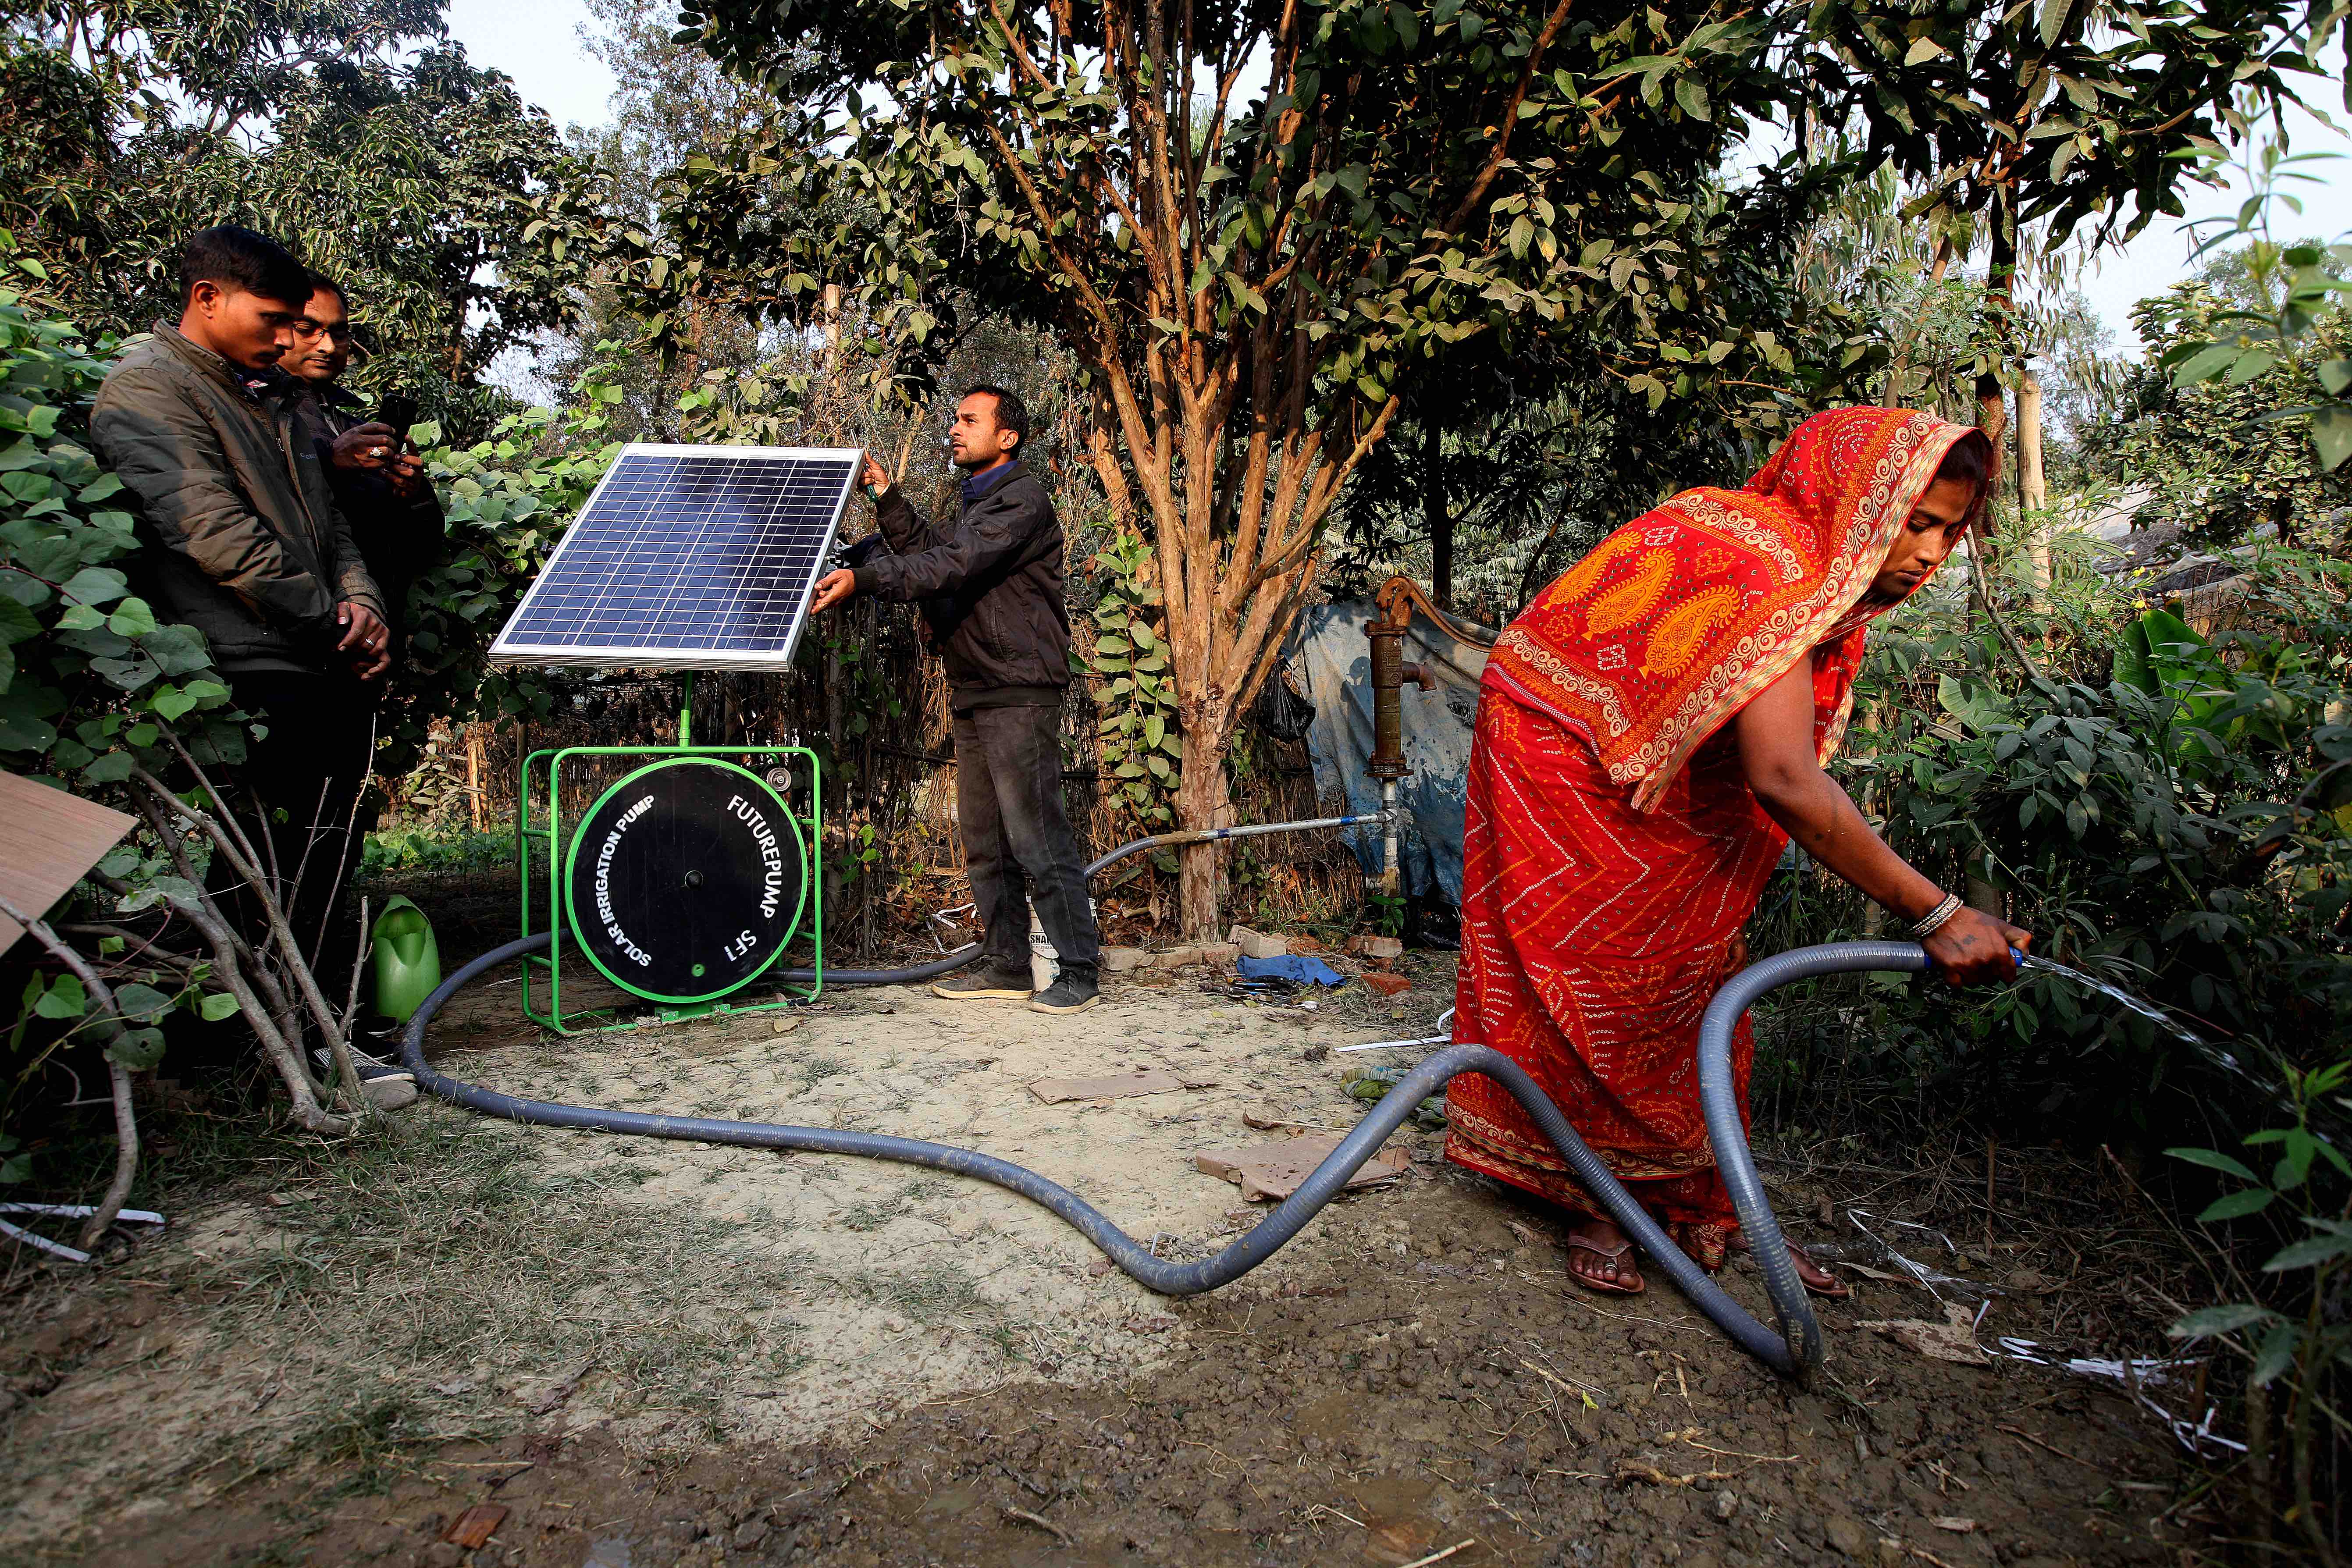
(1933, 921)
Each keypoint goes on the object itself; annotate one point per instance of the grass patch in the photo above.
(934, 1293)
(876, 1213)
(814, 1070)
(429, 1277)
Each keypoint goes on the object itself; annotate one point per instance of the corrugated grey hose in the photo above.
(1797, 1348)
(1173, 1279)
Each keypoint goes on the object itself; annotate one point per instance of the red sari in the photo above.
(1613, 849)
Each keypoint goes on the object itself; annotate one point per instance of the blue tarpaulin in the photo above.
(1302, 967)
(1331, 663)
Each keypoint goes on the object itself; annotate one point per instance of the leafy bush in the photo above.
(98, 697)
(2157, 808)
(88, 680)
(403, 849)
(506, 501)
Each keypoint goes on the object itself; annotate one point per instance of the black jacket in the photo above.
(990, 587)
(400, 537)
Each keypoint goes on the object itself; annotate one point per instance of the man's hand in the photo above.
(1972, 948)
(406, 472)
(876, 479)
(364, 638)
(834, 588)
(365, 448)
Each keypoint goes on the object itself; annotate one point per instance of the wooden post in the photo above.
(474, 778)
(2032, 489)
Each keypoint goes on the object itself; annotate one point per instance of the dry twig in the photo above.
(1041, 1522)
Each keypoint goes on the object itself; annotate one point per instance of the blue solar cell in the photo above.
(686, 557)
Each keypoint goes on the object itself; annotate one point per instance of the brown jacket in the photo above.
(244, 540)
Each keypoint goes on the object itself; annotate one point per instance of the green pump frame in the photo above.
(539, 845)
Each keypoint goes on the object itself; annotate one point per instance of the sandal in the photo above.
(1823, 1283)
(1584, 1241)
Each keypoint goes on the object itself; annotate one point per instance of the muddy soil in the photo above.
(1433, 1381)
(1415, 1374)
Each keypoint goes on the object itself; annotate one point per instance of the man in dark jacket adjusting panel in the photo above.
(991, 588)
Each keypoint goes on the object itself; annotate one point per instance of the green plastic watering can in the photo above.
(406, 959)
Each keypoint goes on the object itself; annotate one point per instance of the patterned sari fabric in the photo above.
(1613, 849)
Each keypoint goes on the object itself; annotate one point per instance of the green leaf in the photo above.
(64, 999)
(1692, 96)
(2335, 375)
(131, 618)
(2207, 1321)
(2248, 365)
(2275, 1355)
(137, 1051)
(16, 622)
(217, 1006)
(2309, 1252)
(141, 1001)
(2205, 365)
(2053, 20)
(2237, 1206)
(2331, 436)
(2214, 1160)
(96, 586)
(130, 674)
(177, 650)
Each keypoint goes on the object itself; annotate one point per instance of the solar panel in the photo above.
(686, 558)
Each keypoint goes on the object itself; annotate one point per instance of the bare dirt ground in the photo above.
(649, 1353)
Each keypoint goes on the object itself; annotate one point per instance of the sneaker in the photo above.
(989, 984)
(390, 1093)
(1070, 994)
(369, 1067)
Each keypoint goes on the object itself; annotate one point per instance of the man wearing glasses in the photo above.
(377, 476)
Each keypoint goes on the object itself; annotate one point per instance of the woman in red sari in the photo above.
(1651, 732)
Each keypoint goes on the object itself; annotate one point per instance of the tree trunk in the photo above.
(1203, 800)
(1438, 515)
(2032, 490)
(2001, 283)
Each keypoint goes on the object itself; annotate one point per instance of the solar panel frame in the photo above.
(508, 648)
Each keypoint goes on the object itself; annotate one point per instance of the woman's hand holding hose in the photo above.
(1775, 733)
(1973, 948)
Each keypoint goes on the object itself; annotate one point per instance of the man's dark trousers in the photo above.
(1017, 841)
(312, 764)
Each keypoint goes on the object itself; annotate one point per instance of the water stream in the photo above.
(2161, 1018)
(2139, 1004)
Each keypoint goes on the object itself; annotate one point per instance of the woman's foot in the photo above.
(1815, 1279)
(1601, 1259)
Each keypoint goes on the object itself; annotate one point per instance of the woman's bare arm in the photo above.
(1775, 733)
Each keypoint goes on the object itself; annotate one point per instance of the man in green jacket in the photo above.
(243, 540)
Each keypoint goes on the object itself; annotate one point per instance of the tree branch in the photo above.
(126, 1125)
